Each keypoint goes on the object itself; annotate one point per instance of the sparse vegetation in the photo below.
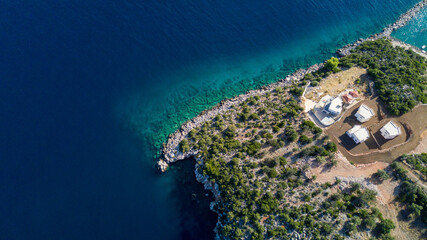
(266, 190)
(410, 193)
(255, 188)
(397, 73)
(417, 162)
(183, 146)
(382, 175)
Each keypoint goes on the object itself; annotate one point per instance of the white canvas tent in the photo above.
(390, 130)
(358, 133)
(364, 113)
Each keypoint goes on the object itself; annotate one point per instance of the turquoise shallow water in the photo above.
(415, 32)
(277, 40)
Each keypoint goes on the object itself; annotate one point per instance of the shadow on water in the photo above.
(197, 221)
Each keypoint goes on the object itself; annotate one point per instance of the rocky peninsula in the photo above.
(170, 151)
(259, 154)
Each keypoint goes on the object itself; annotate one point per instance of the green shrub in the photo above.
(279, 90)
(355, 186)
(230, 132)
(417, 162)
(350, 228)
(254, 116)
(270, 163)
(280, 194)
(291, 134)
(382, 175)
(314, 83)
(385, 226)
(386, 236)
(331, 147)
(270, 172)
(253, 148)
(183, 146)
(303, 139)
(369, 222)
(235, 162)
(307, 124)
(282, 161)
(399, 170)
(415, 209)
(326, 228)
(297, 91)
(397, 73)
(332, 64)
(321, 159)
(365, 198)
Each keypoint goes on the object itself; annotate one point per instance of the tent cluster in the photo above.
(360, 134)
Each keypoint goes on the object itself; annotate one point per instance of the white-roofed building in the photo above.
(327, 121)
(334, 107)
(390, 130)
(364, 113)
(358, 133)
(323, 101)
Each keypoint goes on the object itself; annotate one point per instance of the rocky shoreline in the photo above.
(386, 32)
(170, 150)
(419, 51)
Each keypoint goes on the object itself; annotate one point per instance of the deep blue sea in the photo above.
(90, 89)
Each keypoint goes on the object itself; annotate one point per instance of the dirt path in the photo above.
(422, 146)
(387, 205)
(414, 177)
(386, 189)
(389, 212)
(345, 169)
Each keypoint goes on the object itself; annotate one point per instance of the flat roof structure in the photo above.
(324, 100)
(327, 121)
(335, 106)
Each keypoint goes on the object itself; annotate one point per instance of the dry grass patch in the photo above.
(338, 82)
(345, 169)
(422, 146)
